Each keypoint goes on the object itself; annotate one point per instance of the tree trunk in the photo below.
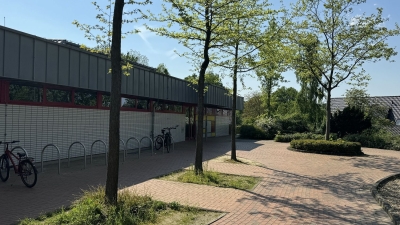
(269, 91)
(198, 162)
(113, 156)
(233, 122)
(328, 115)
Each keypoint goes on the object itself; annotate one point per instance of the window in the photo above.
(143, 104)
(128, 102)
(178, 108)
(105, 100)
(27, 93)
(61, 96)
(85, 98)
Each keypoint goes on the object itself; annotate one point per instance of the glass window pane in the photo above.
(85, 98)
(18, 92)
(105, 100)
(178, 108)
(128, 102)
(54, 95)
(142, 104)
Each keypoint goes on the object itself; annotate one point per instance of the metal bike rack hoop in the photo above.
(91, 150)
(173, 143)
(19, 147)
(58, 151)
(126, 144)
(69, 152)
(123, 144)
(151, 143)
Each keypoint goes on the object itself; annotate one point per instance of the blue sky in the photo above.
(53, 19)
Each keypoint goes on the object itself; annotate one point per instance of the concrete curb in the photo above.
(381, 201)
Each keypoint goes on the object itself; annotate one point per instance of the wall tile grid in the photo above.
(37, 126)
(222, 125)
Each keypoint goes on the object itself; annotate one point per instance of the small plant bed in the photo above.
(227, 159)
(131, 209)
(213, 178)
(339, 147)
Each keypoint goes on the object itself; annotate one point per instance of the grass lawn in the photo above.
(131, 209)
(214, 178)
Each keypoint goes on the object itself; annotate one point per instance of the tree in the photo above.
(109, 41)
(253, 107)
(344, 43)
(135, 56)
(115, 107)
(200, 23)
(161, 68)
(209, 78)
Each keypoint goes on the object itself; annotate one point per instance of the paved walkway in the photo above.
(296, 188)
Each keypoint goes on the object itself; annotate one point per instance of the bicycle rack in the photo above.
(19, 147)
(91, 150)
(151, 142)
(123, 144)
(69, 152)
(58, 151)
(173, 144)
(126, 144)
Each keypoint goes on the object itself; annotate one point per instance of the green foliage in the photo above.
(214, 178)
(161, 68)
(350, 120)
(292, 123)
(253, 132)
(340, 42)
(338, 147)
(297, 136)
(209, 78)
(376, 138)
(91, 209)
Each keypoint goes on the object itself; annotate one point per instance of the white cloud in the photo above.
(355, 20)
(145, 34)
(389, 16)
(375, 4)
(172, 54)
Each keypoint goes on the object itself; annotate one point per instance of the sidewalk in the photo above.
(296, 188)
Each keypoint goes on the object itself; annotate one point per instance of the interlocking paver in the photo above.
(296, 188)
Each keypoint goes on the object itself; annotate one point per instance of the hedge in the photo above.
(339, 147)
(253, 132)
(297, 136)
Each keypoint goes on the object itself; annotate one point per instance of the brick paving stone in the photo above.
(296, 188)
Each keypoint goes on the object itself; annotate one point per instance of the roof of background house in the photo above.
(388, 101)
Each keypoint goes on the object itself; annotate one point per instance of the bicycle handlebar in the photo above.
(169, 128)
(8, 142)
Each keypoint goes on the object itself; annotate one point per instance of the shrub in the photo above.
(349, 121)
(297, 136)
(253, 132)
(373, 138)
(338, 147)
(292, 123)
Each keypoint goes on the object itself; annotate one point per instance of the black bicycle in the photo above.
(22, 165)
(164, 138)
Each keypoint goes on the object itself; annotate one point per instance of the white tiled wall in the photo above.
(37, 126)
(222, 125)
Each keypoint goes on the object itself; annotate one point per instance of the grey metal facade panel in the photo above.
(52, 64)
(151, 85)
(11, 55)
(1, 52)
(108, 76)
(26, 58)
(156, 86)
(74, 68)
(129, 83)
(165, 87)
(180, 89)
(39, 70)
(173, 88)
(83, 70)
(101, 72)
(136, 72)
(146, 83)
(93, 72)
(124, 83)
(63, 68)
(141, 83)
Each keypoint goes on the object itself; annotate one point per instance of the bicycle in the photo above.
(166, 136)
(25, 168)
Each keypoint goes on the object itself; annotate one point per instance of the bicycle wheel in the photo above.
(4, 168)
(158, 142)
(28, 173)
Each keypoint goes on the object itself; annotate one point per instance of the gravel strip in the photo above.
(390, 192)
